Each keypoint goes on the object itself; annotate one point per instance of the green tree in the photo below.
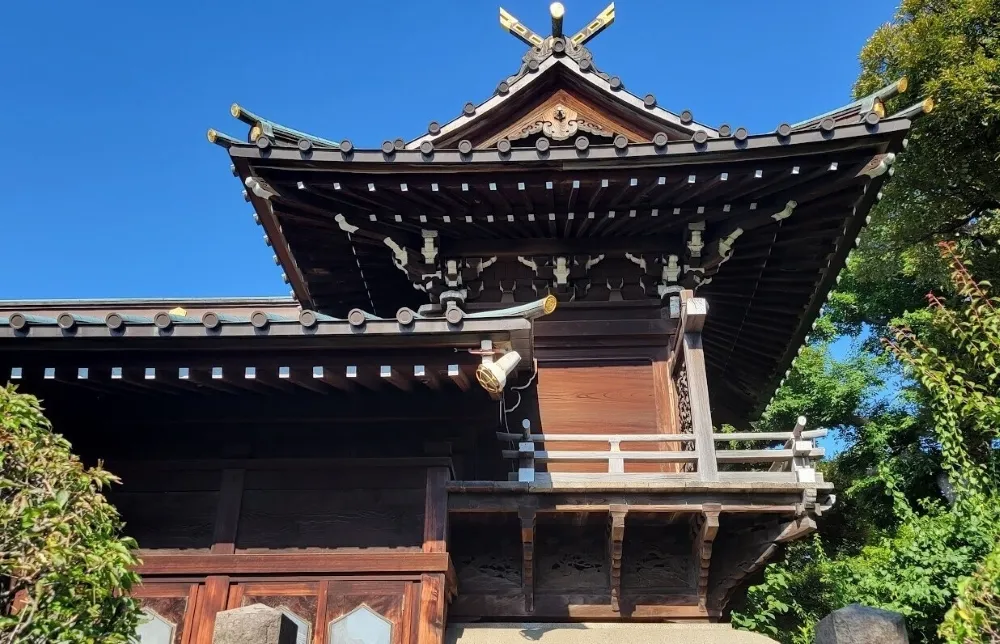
(915, 563)
(945, 188)
(65, 569)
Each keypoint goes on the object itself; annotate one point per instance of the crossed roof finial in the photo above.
(523, 33)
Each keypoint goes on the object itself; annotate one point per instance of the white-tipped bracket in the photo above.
(259, 188)
(786, 212)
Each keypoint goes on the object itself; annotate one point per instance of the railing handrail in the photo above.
(723, 456)
(661, 438)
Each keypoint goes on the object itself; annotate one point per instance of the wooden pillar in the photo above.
(527, 517)
(706, 530)
(694, 310)
(616, 540)
(433, 591)
(212, 599)
(433, 609)
(227, 515)
(436, 510)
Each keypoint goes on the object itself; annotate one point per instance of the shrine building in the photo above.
(495, 396)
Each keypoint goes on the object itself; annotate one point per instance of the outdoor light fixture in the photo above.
(492, 374)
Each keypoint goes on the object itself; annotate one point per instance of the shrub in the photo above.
(65, 569)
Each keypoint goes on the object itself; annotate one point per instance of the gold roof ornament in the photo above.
(557, 11)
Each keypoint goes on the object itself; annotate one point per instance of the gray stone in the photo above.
(857, 624)
(254, 624)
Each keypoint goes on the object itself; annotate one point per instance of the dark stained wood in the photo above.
(228, 513)
(293, 563)
(436, 510)
(738, 555)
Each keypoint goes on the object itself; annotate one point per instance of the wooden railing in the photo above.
(793, 461)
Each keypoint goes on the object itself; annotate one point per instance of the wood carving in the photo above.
(559, 123)
(657, 560)
(706, 528)
(616, 533)
(527, 517)
(577, 114)
(747, 552)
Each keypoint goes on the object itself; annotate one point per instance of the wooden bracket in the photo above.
(616, 534)
(527, 516)
(707, 527)
(744, 554)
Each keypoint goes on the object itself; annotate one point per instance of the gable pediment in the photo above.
(561, 115)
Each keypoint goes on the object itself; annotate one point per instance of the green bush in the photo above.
(975, 617)
(65, 569)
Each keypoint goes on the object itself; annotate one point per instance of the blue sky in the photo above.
(111, 189)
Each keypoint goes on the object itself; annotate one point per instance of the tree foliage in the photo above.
(913, 563)
(945, 188)
(919, 435)
(65, 571)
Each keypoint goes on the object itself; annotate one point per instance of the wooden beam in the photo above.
(389, 374)
(293, 563)
(707, 528)
(227, 515)
(527, 514)
(616, 538)
(436, 510)
(458, 377)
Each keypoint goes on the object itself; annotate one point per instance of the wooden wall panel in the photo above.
(168, 510)
(394, 600)
(606, 399)
(174, 602)
(300, 598)
(314, 509)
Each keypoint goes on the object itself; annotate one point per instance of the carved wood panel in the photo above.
(572, 558)
(657, 559)
(597, 117)
(487, 555)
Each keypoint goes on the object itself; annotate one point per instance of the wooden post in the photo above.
(227, 516)
(707, 529)
(616, 464)
(526, 465)
(430, 629)
(693, 314)
(211, 599)
(616, 539)
(527, 516)
(436, 510)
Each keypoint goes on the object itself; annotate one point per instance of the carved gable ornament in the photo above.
(559, 123)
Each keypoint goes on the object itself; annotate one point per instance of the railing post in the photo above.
(693, 313)
(526, 466)
(801, 449)
(616, 464)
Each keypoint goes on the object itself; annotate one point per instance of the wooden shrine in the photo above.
(496, 392)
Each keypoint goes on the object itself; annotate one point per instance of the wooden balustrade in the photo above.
(791, 462)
